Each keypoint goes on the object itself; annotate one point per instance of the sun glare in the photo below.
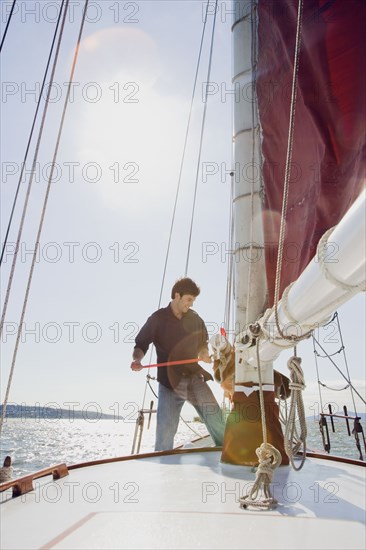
(133, 132)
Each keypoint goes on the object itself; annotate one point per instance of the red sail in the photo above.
(329, 142)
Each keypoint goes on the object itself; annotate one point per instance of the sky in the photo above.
(100, 266)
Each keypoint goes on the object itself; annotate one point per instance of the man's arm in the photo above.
(204, 355)
(137, 357)
(203, 352)
(143, 341)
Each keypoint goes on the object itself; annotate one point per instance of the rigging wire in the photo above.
(201, 138)
(184, 153)
(47, 192)
(288, 170)
(317, 373)
(229, 297)
(7, 25)
(180, 177)
(333, 389)
(229, 277)
(335, 316)
(190, 427)
(346, 364)
(33, 171)
(31, 133)
(341, 373)
(322, 417)
(329, 356)
(182, 419)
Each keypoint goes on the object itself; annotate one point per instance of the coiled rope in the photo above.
(292, 441)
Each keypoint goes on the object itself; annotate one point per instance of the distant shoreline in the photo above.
(53, 413)
(91, 413)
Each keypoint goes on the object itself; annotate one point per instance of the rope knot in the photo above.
(269, 459)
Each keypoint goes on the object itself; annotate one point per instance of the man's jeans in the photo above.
(196, 391)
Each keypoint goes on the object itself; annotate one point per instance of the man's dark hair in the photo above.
(185, 286)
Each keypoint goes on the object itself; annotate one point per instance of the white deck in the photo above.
(188, 500)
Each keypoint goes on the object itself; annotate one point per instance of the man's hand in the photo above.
(204, 356)
(136, 365)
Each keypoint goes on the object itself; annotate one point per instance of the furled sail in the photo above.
(314, 140)
(328, 155)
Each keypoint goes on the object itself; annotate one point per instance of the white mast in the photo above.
(250, 278)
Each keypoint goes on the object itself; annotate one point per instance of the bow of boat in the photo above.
(187, 499)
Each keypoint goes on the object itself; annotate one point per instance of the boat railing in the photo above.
(356, 431)
(25, 484)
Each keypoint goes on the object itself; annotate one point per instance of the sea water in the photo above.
(36, 443)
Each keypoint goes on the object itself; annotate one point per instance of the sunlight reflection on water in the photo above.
(34, 444)
(37, 443)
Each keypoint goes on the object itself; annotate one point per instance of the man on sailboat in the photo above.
(179, 334)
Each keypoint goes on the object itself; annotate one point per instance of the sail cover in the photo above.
(327, 170)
